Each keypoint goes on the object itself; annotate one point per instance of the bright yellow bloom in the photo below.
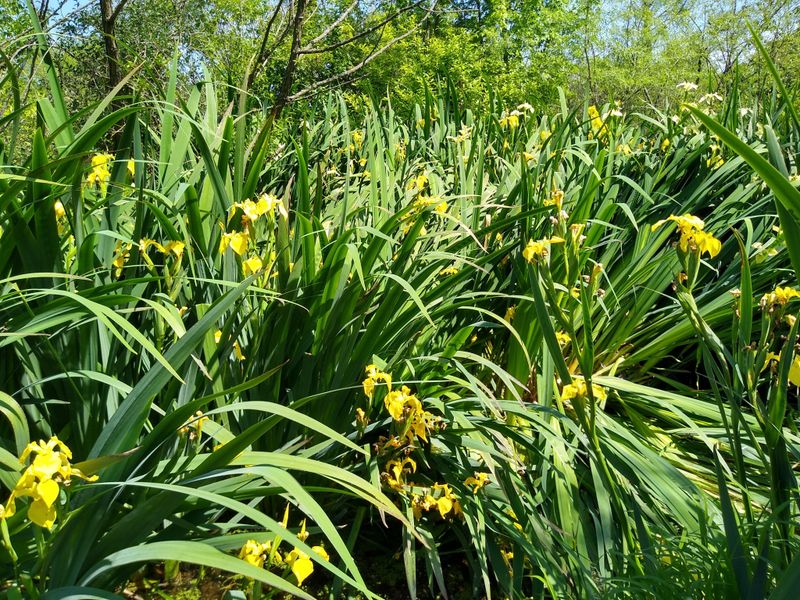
(562, 338)
(624, 149)
(374, 376)
(267, 204)
(131, 166)
(252, 265)
(395, 474)
(539, 249)
(302, 535)
(40, 481)
(448, 271)
(441, 208)
(420, 421)
(599, 128)
(477, 482)
(358, 138)
(556, 199)
(794, 368)
(705, 242)
(510, 121)
(174, 247)
(686, 223)
(171, 247)
(121, 254)
(237, 240)
(402, 405)
(58, 207)
(251, 210)
(441, 498)
(693, 238)
(253, 553)
(665, 145)
(578, 389)
(511, 312)
(418, 182)
(257, 554)
(100, 173)
(302, 567)
(395, 402)
(779, 296)
(447, 501)
(320, 551)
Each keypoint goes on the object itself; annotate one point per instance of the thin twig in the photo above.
(355, 68)
(329, 29)
(391, 17)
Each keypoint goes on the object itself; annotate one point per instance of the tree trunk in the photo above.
(108, 21)
(282, 97)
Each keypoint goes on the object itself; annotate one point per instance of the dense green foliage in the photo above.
(205, 307)
(517, 50)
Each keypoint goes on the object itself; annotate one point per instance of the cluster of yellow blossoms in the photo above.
(447, 271)
(417, 186)
(536, 251)
(267, 553)
(41, 480)
(438, 497)
(693, 238)
(251, 211)
(578, 389)
(511, 120)
(266, 204)
(715, 161)
(170, 248)
(406, 408)
(101, 171)
(375, 375)
(402, 405)
(780, 296)
(598, 124)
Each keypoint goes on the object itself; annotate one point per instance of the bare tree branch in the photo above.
(282, 96)
(118, 9)
(260, 56)
(391, 17)
(338, 78)
(329, 29)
